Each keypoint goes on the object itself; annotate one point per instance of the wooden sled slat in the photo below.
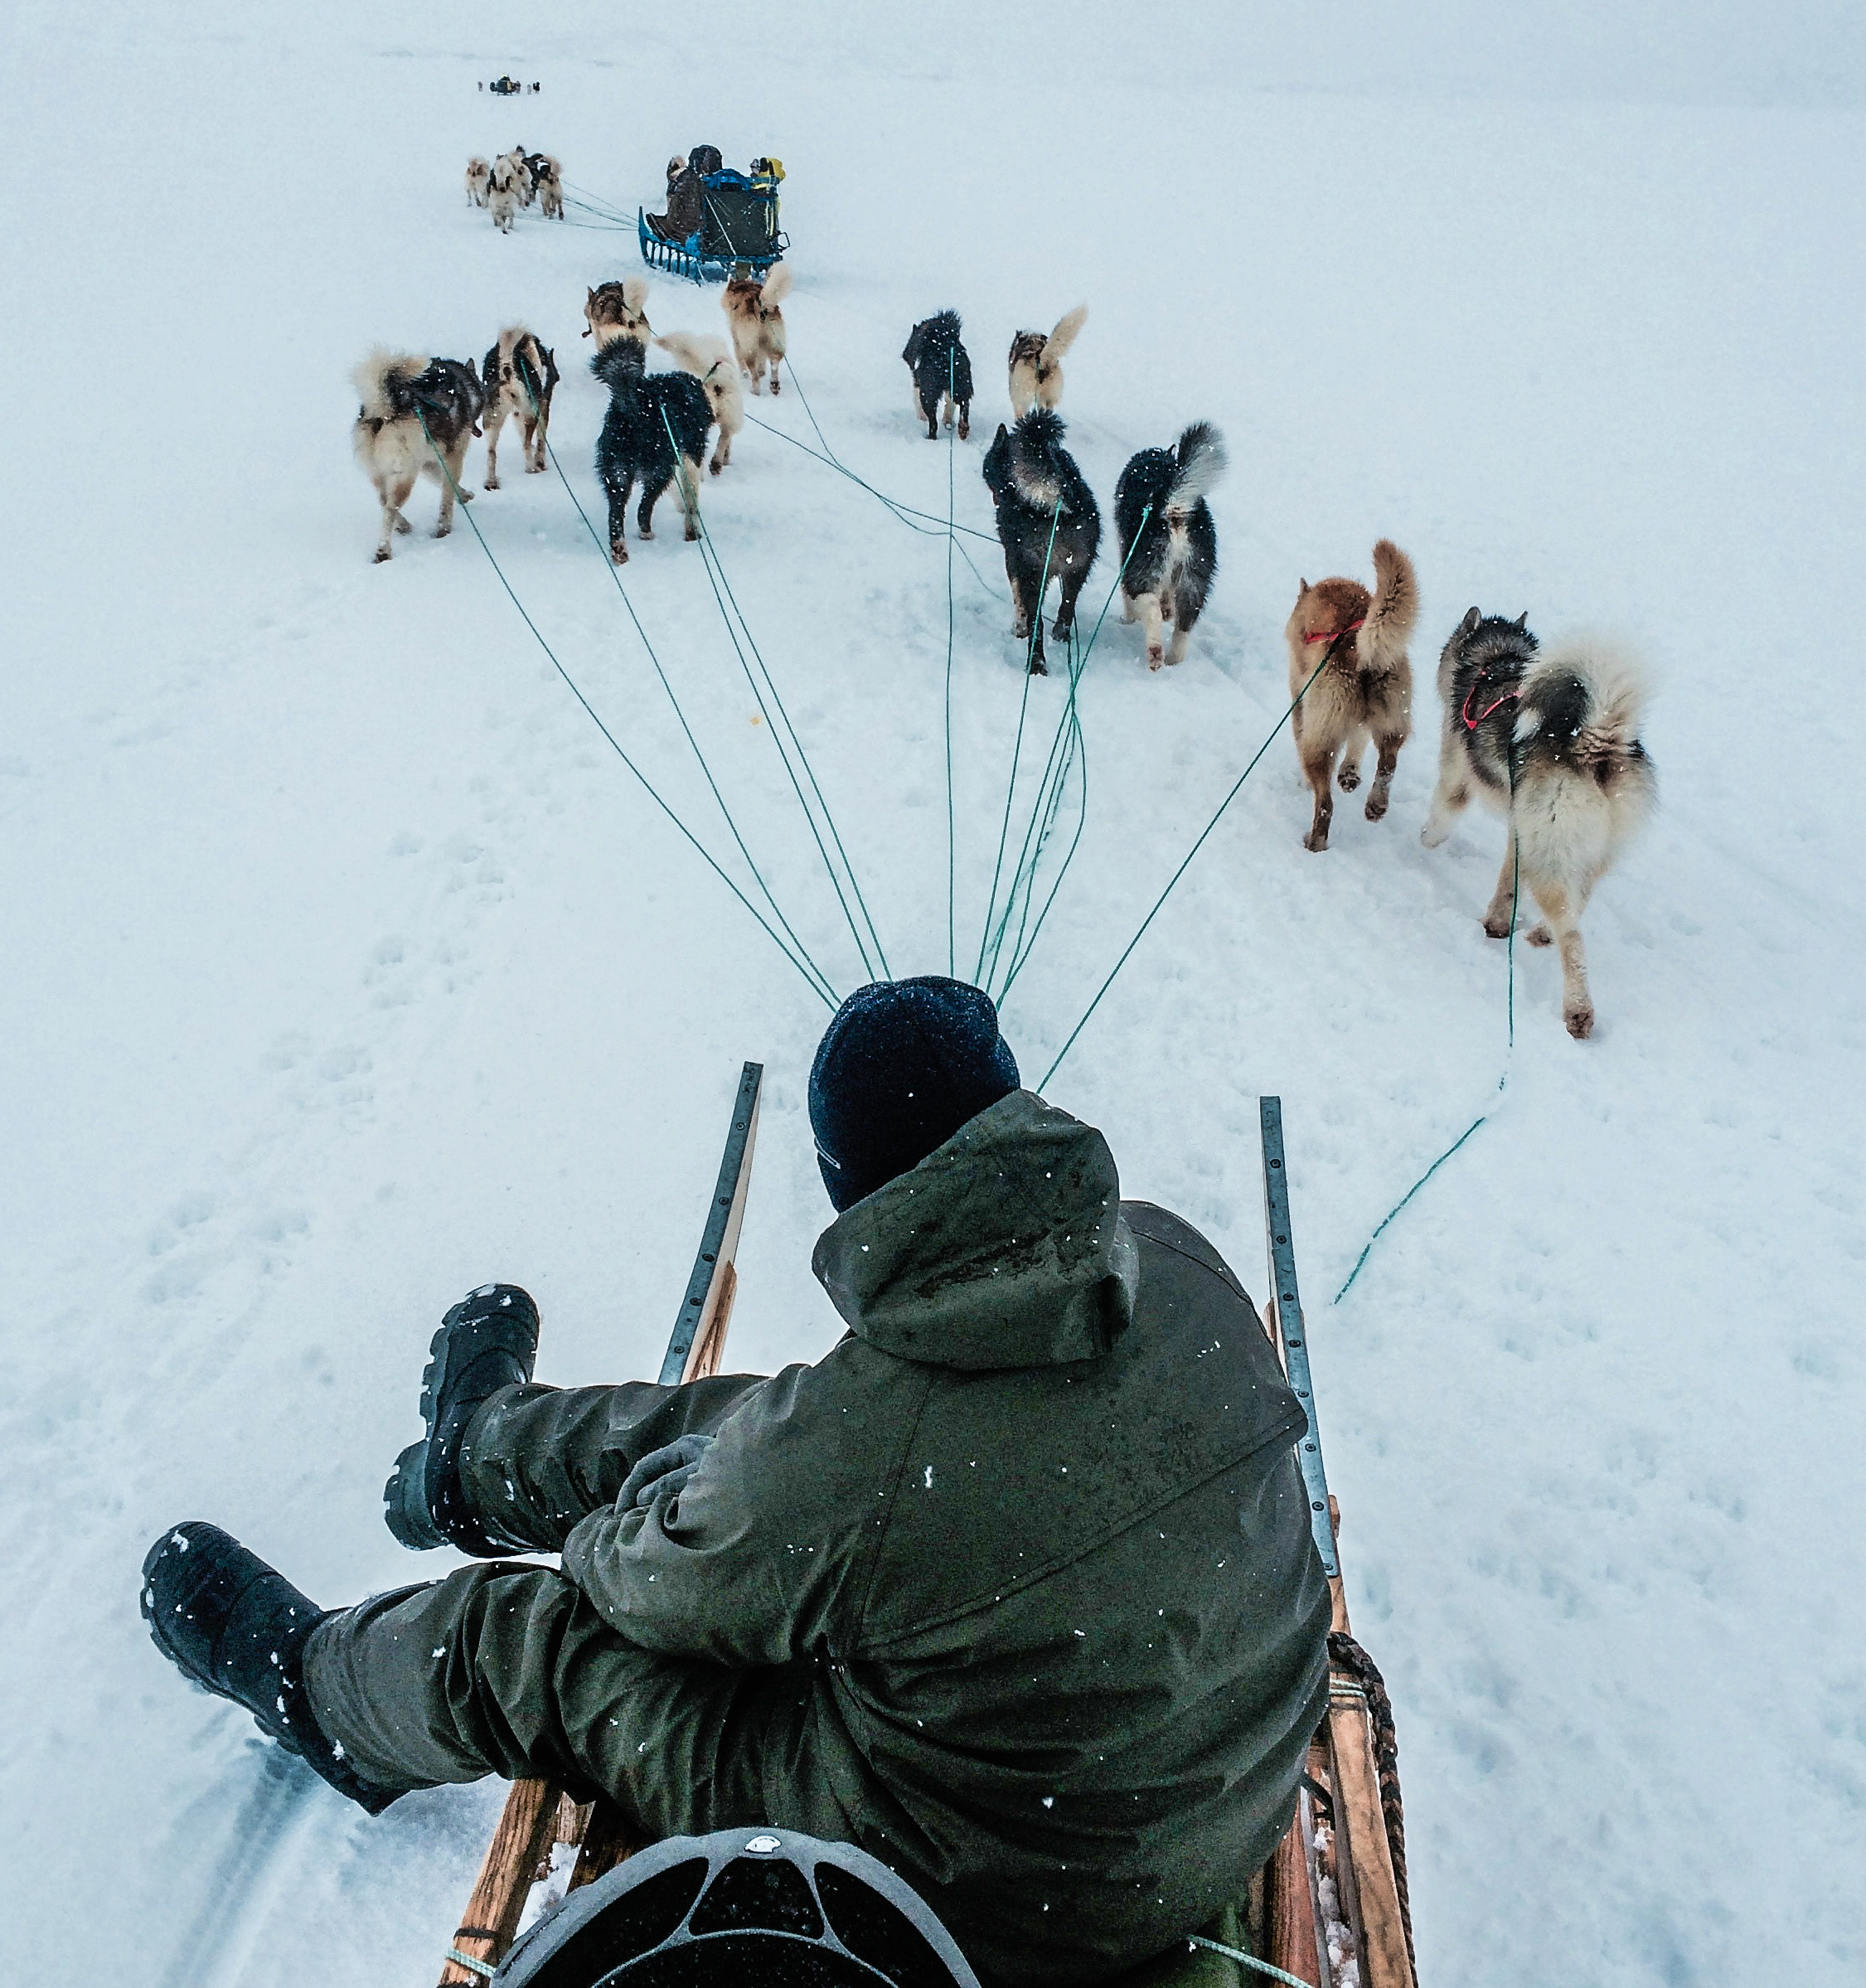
(524, 1835)
(537, 1813)
(1359, 1857)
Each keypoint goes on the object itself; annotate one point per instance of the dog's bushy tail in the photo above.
(620, 359)
(1395, 608)
(635, 295)
(384, 381)
(777, 284)
(694, 354)
(1583, 701)
(1064, 335)
(1202, 462)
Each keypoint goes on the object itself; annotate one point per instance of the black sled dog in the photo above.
(402, 395)
(1169, 547)
(941, 371)
(1552, 743)
(644, 412)
(1048, 524)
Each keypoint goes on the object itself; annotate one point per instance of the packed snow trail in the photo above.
(344, 970)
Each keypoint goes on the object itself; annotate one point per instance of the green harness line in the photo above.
(1017, 743)
(1069, 740)
(813, 977)
(716, 578)
(1247, 1960)
(609, 565)
(1185, 865)
(1502, 1081)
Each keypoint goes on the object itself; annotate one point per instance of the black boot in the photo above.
(489, 1341)
(225, 1619)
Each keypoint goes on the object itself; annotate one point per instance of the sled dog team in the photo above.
(514, 179)
(1549, 742)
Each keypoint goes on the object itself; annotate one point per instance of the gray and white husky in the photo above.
(1550, 742)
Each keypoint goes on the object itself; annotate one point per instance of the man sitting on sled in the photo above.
(1015, 1588)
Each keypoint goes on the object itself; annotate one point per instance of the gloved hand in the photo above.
(663, 1473)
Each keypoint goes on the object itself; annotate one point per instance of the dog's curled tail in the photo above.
(1382, 641)
(776, 286)
(383, 380)
(1585, 700)
(1202, 462)
(635, 295)
(1064, 335)
(694, 354)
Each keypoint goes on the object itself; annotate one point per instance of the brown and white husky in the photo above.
(619, 310)
(1552, 743)
(753, 309)
(1036, 364)
(1353, 643)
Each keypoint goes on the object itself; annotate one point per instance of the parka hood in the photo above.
(1004, 1248)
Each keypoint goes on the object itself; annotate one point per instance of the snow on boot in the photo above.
(238, 1627)
(489, 1341)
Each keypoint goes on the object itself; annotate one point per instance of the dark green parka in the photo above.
(1036, 1529)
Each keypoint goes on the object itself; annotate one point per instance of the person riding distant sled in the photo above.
(1015, 1588)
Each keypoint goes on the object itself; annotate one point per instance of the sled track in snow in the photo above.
(244, 1877)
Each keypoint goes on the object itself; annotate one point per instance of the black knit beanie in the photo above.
(902, 1066)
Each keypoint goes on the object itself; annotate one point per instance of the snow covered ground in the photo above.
(344, 967)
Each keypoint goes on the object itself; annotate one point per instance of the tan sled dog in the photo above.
(1036, 364)
(1552, 743)
(1357, 641)
(710, 361)
(619, 310)
(754, 310)
(479, 181)
(402, 397)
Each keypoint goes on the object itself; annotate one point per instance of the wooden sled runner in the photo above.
(1331, 1905)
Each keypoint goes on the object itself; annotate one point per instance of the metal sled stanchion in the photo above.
(538, 1814)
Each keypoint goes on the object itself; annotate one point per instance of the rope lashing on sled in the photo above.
(776, 912)
(1069, 735)
(1247, 1959)
(1172, 882)
(1343, 1650)
(1017, 743)
(818, 984)
(483, 1969)
(1502, 1081)
(722, 593)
